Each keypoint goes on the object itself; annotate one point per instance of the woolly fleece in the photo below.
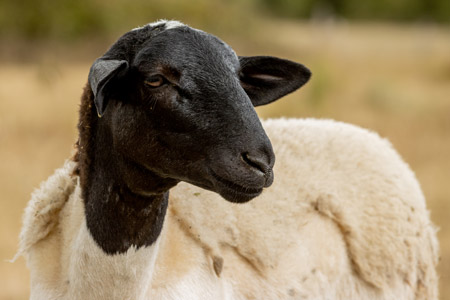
(344, 219)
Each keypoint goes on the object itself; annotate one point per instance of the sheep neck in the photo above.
(121, 219)
(116, 217)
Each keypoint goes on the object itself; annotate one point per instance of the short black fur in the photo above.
(197, 124)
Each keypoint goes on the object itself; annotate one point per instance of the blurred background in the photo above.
(380, 64)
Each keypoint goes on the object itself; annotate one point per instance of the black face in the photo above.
(178, 104)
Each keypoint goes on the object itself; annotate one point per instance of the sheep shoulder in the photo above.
(345, 214)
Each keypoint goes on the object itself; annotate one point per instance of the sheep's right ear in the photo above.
(102, 73)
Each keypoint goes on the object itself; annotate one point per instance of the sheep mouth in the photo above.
(233, 191)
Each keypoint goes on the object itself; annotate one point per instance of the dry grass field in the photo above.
(390, 78)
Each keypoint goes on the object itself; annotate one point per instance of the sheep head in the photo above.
(177, 104)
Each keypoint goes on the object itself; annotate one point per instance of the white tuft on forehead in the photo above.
(173, 24)
(169, 24)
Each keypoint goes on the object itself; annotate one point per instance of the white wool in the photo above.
(343, 205)
(344, 219)
(42, 211)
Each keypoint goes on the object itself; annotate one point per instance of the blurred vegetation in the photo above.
(437, 11)
(71, 19)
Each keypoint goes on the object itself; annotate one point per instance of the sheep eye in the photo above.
(155, 81)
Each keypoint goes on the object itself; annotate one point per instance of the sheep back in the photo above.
(343, 205)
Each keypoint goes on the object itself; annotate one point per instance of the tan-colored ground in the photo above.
(392, 79)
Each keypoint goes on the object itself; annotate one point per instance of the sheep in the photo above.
(170, 108)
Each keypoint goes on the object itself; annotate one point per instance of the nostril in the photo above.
(256, 162)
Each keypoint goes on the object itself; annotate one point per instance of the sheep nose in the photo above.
(261, 163)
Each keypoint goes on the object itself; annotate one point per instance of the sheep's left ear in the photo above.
(266, 79)
(102, 73)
